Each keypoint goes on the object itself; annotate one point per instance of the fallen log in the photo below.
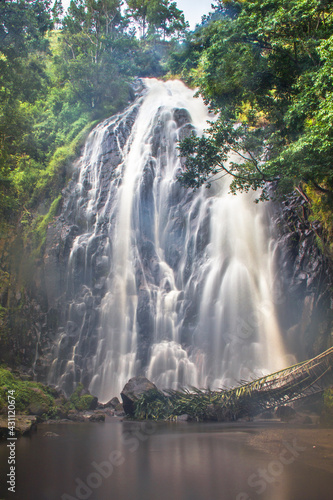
(246, 400)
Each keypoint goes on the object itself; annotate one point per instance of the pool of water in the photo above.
(148, 461)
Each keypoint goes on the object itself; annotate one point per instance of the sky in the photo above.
(193, 9)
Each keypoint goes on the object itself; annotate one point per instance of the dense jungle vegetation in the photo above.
(264, 66)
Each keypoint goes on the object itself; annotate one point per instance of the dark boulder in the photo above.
(132, 390)
(119, 411)
(113, 403)
(181, 116)
(24, 425)
(75, 416)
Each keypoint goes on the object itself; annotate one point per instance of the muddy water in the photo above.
(134, 461)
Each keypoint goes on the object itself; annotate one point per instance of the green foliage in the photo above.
(199, 405)
(22, 80)
(321, 204)
(98, 55)
(328, 399)
(38, 399)
(266, 71)
(152, 404)
(81, 401)
(157, 17)
(39, 231)
(30, 397)
(208, 159)
(22, 25)
(53, 178)
(327, 413)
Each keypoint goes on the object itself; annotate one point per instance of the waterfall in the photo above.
(162, 281)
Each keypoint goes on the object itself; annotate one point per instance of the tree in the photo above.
(265, 72)
(156, 16)
(166, 18)
(57, 14)
(22, 80)
(138, 10)
(96, 52)
(22, 25)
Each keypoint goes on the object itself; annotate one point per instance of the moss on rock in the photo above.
(81, 400)
(30, 397)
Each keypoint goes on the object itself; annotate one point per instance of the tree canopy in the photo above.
(157, 16)
(265, 68)
(23, 25)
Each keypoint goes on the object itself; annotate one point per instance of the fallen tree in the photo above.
(246, 400)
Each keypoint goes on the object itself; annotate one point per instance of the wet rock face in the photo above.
(305, 281)
(79, 246)
(145, 320)
(181, 117)
(77, 262)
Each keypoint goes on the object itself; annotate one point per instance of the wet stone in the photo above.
(181, 116)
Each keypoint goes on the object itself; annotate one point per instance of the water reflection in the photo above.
(131, 461)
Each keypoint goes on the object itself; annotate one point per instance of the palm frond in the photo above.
(247, 399)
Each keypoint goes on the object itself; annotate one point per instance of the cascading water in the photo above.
(162, 281)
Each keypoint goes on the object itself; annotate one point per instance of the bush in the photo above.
(82, 402)
(30, 397)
